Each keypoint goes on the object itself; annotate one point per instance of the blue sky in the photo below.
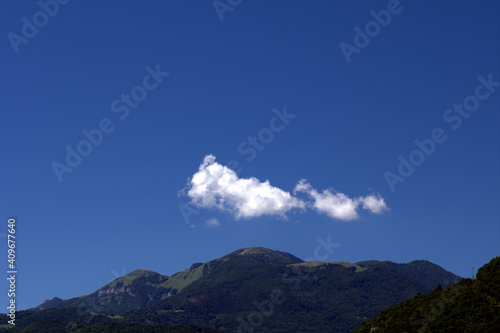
(103, 65)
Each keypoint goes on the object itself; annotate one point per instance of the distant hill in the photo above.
(469, 306)
(251, 288)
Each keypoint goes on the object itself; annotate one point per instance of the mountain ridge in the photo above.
(217, 292)
(164, 286)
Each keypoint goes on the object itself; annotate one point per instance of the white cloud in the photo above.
(375, 204)
(217, 186)
(338, 205)
(212, 223)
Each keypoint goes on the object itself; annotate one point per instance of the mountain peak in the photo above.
(127, 279)
(142, 272)
(253, 250)
(49, 303)
(263, 255)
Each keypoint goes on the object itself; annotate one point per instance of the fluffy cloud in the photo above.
(212, 223)
(338, 205)
(217, 186)
(375, 204)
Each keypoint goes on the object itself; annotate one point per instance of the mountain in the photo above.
(419, 271)
(318, 297)
(142, 288)
(136, 290)
(252, 289)
(263, 256)
(468, 306)
(56, 302)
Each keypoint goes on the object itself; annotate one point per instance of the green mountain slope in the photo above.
(56, 326)
(419, 271)
(468, 306)
(252, 289)
(142, 288)
(136, 290)
(319, 297)
(257, 255)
